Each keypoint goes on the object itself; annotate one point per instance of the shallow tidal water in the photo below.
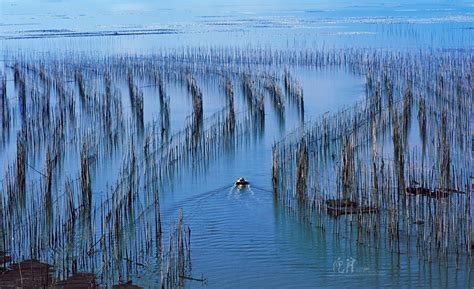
(242, 238)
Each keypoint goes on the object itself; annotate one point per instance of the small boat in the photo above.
(241, 182)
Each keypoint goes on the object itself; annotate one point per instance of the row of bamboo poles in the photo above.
(405, 183)
(69, 120)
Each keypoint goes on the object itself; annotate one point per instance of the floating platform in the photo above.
(336, 212)
(339, 207)
(27, 274)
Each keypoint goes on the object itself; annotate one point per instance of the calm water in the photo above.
(242, 238)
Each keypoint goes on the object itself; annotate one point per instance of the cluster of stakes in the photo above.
(84, 165)
(393, 170)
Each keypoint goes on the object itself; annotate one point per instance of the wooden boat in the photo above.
(439, 193)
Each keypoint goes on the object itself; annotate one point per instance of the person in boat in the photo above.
(241, 182)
